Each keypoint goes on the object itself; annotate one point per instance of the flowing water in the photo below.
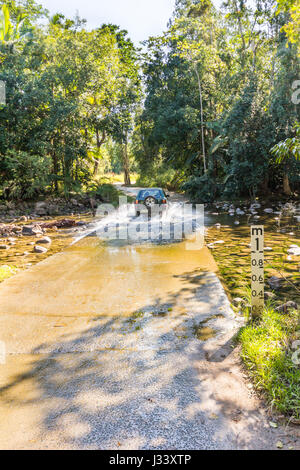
(175, 224)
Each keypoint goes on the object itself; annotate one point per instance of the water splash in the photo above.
(179, 221)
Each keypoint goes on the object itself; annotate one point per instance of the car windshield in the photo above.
(157, 193)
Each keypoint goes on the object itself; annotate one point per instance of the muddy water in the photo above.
(93, 278)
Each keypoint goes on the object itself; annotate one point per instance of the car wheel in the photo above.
(150, 202)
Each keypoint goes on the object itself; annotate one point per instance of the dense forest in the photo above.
(211, 107)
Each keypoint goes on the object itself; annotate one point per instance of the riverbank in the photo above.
(268, 346)
(32, 231)
(26, 243)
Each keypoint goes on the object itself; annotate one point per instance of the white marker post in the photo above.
(257, 270)
(2, 93)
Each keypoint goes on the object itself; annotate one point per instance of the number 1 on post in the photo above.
(257, 270)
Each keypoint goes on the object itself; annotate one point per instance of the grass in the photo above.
(6, 272)
(268, 355)
(113, 178)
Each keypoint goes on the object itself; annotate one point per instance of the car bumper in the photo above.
(142, 209)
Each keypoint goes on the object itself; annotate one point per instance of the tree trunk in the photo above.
(265, 185)
(202, 122)
(55, 166)
(286, 185)
(126, 164)
(100, 142)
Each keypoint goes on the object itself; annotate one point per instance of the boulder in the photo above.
(275, 282)
(41, 208)
(240, 212)
(64, 223)
(44, 241)
(269, 295)
(53, 209)
(294, 250)
(81, 223)
(31, 230)
(285, 308)
(17, 230)
(238, 301)
(41, 204)
(40, 249)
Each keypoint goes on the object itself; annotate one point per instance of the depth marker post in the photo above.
(257, 270)
(2, 93)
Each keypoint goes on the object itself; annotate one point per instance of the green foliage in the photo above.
(266, 353)
(219, 97)
(27, 176)
(8, 31)
(292, 27)
(217, 85)
(107, 192)
(202, 188)
(61, 109)
(289, 148)
(159, 176)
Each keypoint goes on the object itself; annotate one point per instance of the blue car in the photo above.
(147, 199)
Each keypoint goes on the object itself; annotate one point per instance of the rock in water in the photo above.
(65, 223)
(40, 249)
(285, 308)
(44, 241)
(275, 282)
(269, 295)
(294, 250)
(238, 301)
(31, 230)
